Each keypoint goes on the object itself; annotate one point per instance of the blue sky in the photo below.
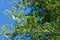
(3, 18)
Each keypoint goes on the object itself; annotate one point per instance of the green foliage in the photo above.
(47, 28)
(3, 28)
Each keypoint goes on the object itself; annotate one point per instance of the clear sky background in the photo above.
(3, 18)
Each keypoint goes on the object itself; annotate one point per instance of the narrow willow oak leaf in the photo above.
(4, 28)
(13, 17)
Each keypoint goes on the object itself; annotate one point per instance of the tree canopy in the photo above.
(41, 23)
